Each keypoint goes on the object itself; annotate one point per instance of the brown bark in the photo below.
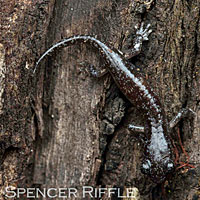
(63, 128)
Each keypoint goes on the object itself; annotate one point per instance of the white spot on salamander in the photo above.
(158, 143)
(146, 165)
(137, 46)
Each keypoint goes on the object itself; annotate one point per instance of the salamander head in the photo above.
(157, 170)
(158, 162)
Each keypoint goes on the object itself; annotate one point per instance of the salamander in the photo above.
(158, 157)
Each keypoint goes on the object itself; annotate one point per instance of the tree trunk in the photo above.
(61, 128)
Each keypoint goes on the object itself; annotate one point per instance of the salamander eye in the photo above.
(146, 167)
(170, 165)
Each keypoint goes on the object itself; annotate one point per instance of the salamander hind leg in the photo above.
(97, 72)
(142, 34)
(91, 70)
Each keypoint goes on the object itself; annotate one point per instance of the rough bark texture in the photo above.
(63, 128)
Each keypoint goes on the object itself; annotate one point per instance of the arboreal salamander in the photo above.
(158, 161)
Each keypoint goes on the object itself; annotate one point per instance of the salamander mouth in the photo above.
(158, 172)
(160, 175)
(158, 178)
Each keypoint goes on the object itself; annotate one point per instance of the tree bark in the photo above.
(61, 128)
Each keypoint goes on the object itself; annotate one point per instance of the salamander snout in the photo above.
(158, 170)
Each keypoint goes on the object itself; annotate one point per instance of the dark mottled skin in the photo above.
(158, 160)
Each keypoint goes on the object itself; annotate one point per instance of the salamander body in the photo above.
(158, 160)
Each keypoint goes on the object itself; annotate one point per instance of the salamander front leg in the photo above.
(132, 127)
(141, 35)
(139, 129)
(181, 114)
